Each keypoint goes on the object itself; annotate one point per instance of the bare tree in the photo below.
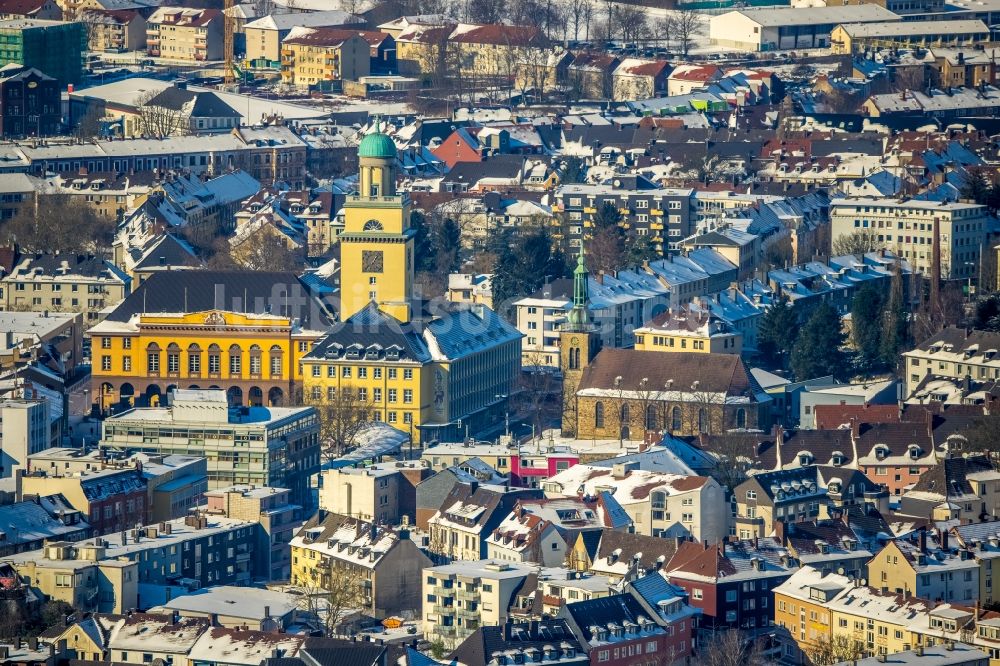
(266, 249)
(263, 8)
(732, 647)
(578, 14)
(686, 26)
(60, 223)
(861, 241)
(630, 22)
(158, 122)
(330, 594)
(89, 126)
(539, 394)
(342, 415)
(487, 11)
(834, 650)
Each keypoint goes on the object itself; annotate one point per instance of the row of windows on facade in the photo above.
(362, 372)
(194, 364)
(675, 421)
(361, 394)
(106, 343)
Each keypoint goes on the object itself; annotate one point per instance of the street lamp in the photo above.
(971, 264)
(506, 412)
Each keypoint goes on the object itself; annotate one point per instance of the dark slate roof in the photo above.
(723, 373)
(654, 588)
(650, 548)
(466, 331)
(591, 541)
(337, 652)
(14, 73)
(256, 292)
(206, 104)
(961, 338)
(498, 166)
(86, 265)
(478, 648)
(375, 335)
(949, 477)
(169, 251)
(604, 610)
(866, 521)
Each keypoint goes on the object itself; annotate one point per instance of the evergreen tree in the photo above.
(423, 243)
(607, 216)
(866, 328)
(818, 350)
(640, 249)
(896, 323)
(777, 332)
(506, 283)
(988, 314)
(976, 187)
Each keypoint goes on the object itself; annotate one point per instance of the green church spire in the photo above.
(579, 317)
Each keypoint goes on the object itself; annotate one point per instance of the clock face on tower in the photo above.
(371, 261)
(373, 225)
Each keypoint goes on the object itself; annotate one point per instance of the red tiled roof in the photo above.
(20, 7)
(695, 74)
(653, 68)
(323, 36)
(502, 35)
(187, 17)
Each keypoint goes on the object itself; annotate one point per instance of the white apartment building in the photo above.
(24, 431)
(660, 504)
(954, 353)
(619, 304)
(908, 229)
(460, 597)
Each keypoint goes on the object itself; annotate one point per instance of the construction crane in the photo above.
(228, 28)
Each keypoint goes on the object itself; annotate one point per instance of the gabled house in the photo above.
(799, 494)
(548, 643)
(590, 75)
(660, 504)
(731, 582)
(685, 79)
(962, 488)
(651, 618)
(636, 79)
(469, 515)
(387, 564)
(621, 555)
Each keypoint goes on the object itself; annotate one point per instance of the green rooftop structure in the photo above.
(52, 47)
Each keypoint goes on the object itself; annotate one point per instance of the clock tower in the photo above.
(376, 245)
(579, 342)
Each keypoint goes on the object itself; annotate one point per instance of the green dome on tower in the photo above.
(378, 146)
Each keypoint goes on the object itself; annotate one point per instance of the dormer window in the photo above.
(881, 452)
(915, 452)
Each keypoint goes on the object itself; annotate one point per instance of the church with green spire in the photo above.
(579, 342)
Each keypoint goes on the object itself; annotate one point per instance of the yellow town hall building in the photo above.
(273, 338)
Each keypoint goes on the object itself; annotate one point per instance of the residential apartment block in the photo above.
(178, 33)
(660, 504)
(913, 229)
(64, 283)
(385, 565)
(954, 354)
(107, 574)
(323, 58)
(460, 597)
(277, 446)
